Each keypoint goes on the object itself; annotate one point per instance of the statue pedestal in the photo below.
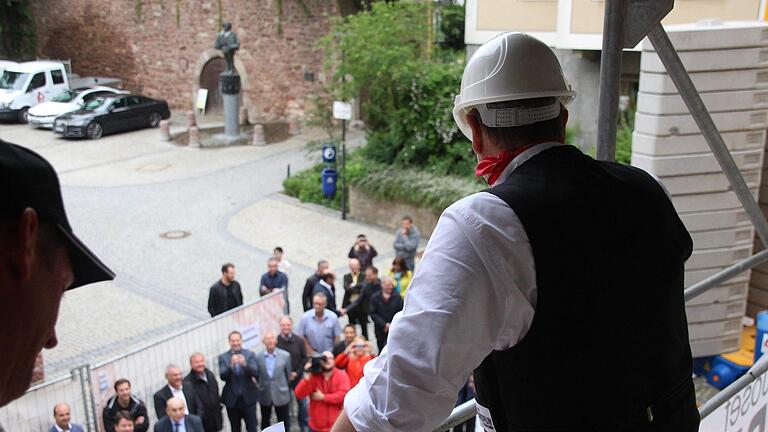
(230, 92)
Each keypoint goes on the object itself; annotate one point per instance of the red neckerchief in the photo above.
(491, 167)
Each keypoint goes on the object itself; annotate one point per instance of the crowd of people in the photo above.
(309, 366)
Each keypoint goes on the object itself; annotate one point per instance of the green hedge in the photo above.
(385, 183)
(307, 187)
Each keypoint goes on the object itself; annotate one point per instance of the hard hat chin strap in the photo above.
(517, 116)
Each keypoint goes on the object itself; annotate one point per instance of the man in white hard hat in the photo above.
(561, 286)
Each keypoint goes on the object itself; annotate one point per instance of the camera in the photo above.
(317, 363)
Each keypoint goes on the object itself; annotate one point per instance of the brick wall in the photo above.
(160, 57)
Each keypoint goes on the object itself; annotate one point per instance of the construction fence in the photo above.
(88, 387)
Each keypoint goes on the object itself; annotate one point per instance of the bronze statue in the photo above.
(228, 43)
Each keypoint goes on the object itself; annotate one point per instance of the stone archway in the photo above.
(210, 63)
(209, 79)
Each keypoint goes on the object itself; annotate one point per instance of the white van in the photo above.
(25, 85)
(5, 64)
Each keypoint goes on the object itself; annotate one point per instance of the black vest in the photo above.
(608, 346)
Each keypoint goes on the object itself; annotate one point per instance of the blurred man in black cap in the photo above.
(40, 258)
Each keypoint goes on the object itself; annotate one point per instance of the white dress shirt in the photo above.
(180, 394)
(474, 292)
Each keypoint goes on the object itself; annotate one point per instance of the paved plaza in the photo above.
(166, 217)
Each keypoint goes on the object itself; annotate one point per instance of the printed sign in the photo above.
(342, 110)
(744, 412)
(202, 97)
(484, 415)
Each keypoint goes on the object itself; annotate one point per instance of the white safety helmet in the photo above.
(511, 66)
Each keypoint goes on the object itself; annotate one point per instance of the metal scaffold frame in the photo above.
(616, 13)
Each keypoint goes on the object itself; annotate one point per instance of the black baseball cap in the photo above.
(27, 180)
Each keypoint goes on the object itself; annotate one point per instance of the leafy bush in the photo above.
(413, 186)
(307, 187)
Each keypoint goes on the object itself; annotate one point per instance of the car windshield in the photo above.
(66, 96)
(13, 80)
(95, 103)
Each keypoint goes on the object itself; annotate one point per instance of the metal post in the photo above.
(755, 371)
(94, 413)
(610, 77)
(690, 95)
(82, 375)
(288, 171)
(716, 279)
(343, 173)
(460, 414)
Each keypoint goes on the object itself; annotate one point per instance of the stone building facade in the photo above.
(164, 48)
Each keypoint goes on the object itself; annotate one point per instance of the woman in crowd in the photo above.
(401, 275)
(352, 360)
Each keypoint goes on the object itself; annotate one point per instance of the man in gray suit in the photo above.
(176, 420)
(274, 376)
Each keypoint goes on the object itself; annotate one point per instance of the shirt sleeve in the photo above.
(473, 292)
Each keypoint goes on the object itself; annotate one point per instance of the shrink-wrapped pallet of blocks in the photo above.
(728, 63)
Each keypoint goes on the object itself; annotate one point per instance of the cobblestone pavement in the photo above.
(124, 191)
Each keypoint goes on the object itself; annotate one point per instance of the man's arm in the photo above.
(481, 259)
(374, 313)
(141, 411)
(411, 242)
(306, 295)
(225, 370)
(304, 388)
(263, 288)
(159, 405)
(211, 302)
(399, 243)
(109, 420)
(251, 365)
(236, 286)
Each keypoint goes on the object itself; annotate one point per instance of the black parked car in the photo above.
(109, 114)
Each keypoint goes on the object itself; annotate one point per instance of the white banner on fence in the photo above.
(744, 412)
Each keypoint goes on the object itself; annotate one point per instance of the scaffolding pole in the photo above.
(610, 78)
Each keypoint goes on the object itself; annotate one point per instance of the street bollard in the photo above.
(191, 119)
(165, 130)
(243, 116)
(258, 135)
(194, 136)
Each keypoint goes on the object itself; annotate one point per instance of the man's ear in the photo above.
(25, 244)
(477, 133)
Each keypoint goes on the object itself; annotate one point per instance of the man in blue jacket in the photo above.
(239, 370)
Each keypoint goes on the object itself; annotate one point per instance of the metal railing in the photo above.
(615, 15)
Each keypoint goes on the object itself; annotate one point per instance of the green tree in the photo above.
(17, 29)
(384, 57)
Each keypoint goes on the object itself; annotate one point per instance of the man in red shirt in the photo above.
(326, 390)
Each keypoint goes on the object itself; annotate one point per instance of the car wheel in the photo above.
(94, 130)
(154, 119)
(24, 115)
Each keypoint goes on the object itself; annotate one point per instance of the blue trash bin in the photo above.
(761, 337)
(329, 182)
